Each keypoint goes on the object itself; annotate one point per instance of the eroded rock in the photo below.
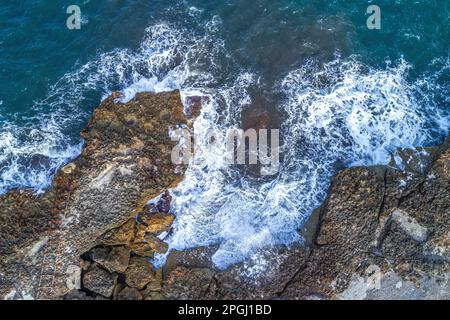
(410, 225)
(115, 259)
(129, 294)
(381, 234)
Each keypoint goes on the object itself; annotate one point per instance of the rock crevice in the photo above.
(381, 233)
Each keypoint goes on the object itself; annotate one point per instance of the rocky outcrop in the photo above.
(125, 162)
(381, 234)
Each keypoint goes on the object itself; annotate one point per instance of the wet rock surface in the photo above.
(377, 228)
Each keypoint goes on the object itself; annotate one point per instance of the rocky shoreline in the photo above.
(381, 233)
(125, 162)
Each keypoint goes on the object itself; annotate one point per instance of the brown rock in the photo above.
(183, 283)
(139, 273)
(164, 202)
(115, 259)
(153, 296)
(130, 119)
(159, 223)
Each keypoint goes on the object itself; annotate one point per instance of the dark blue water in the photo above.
(340, 93)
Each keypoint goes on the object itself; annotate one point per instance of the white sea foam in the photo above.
(340, 113)
(30, 155)
(356, 115)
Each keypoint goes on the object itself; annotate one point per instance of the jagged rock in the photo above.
(139, 234)
(119, 258)
(99, 281)
(380, 234)
(155, 284)
(164, 202)
(139, 273)
(156, 224)
(190, 258)
(121, 235)
(376, 239)
(99, 254)
(148, 246)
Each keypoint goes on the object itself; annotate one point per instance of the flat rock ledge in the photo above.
(125, 162)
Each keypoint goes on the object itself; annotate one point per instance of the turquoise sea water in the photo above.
(340, 93)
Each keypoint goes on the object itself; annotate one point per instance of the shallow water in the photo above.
(341, 95)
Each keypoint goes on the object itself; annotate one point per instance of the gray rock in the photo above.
(99, 281)
(115, 259)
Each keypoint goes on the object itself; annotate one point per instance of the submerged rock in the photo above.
(194, 105)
